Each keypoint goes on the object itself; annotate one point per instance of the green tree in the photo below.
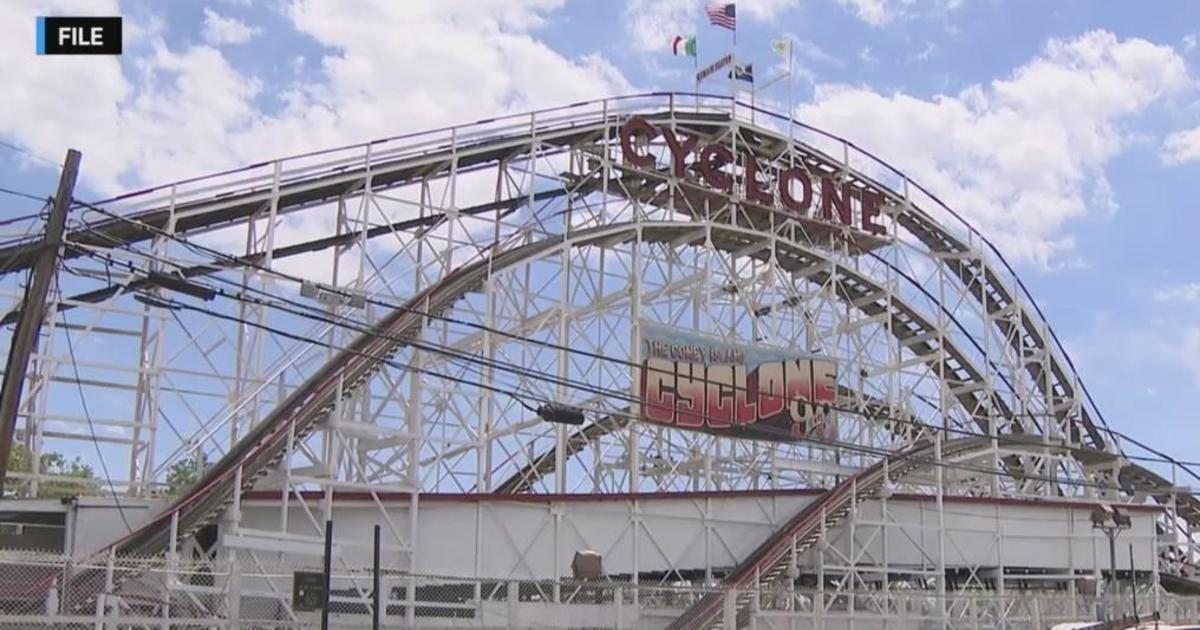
(69, 477)
(185, 472)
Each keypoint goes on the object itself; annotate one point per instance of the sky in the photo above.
(1068, 132)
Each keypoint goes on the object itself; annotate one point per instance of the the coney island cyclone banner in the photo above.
(707, 384)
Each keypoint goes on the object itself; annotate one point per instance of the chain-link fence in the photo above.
(39, 591)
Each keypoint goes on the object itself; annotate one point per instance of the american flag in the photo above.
(722, 14)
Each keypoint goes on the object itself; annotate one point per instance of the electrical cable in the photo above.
(322, 316)
(242, 262)
(221, 255)
(31, 154)
(24, 217)
(96, 440)
(17, 193)
(91, 425)
(610, 393)
(837, 444)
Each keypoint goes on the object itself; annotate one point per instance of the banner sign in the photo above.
(707, 384)
(716, 65)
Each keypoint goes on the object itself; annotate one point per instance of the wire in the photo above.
(875, 451)
(31, 154)
(221, 255)
(245, 262)
(322, 316)
(17, 193)
(95, 438)
(25, 217)
(611, 393)
(91, 425)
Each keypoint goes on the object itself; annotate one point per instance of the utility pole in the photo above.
(33, 311)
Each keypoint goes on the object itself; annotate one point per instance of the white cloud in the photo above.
(927, 51)
(1140, 353)
(219, 29)
(876, 12)
(1189, 42)
(810, 50)
(651, 23)
(1182, 146)
(1016, 155)
(1189, 351)
(182, 112)
(1187, 293)
(1104, 197)
(764, 10)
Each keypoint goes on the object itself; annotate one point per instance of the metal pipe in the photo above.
(1112, 576)
(1133, 583)
(328, 566)
(375, 577)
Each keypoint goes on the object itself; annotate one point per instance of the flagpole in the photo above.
(791, 78)
(733, 69)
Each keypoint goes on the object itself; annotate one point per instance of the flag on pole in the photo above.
(681, 45)
(742, 72)
(722, 14)
(782, 46)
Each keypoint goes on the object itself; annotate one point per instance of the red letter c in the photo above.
(631, 127)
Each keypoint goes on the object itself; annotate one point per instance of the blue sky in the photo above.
(1064, 130)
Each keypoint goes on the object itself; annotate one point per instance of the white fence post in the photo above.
(618, 605)
(513, 601)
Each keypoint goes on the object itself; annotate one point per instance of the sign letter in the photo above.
(711, 169)
(679, 150)
(871, 202)
(753, 192)
(628, 150)
(831, 199)
(801, 206)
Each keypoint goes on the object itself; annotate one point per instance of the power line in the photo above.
(436, 348)
(223, 256)
(391, 306)
(849, 446)
(91, 425)
(230, 259)
(20, 149)
(17, 193)
(586, 387)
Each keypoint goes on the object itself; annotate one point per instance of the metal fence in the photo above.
(40, 591)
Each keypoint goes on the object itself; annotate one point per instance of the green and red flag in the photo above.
(681, 45)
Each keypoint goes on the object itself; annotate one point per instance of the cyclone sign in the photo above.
(706, 384)
(823, 197)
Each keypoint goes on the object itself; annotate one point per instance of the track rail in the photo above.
(769, 563)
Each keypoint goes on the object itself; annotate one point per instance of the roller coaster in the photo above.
(515, 261)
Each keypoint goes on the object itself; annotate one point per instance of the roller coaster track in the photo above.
(261, 449)
(1017, 324)
(301, 412)
(769, 563)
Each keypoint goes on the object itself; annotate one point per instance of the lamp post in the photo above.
(1111, 521)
